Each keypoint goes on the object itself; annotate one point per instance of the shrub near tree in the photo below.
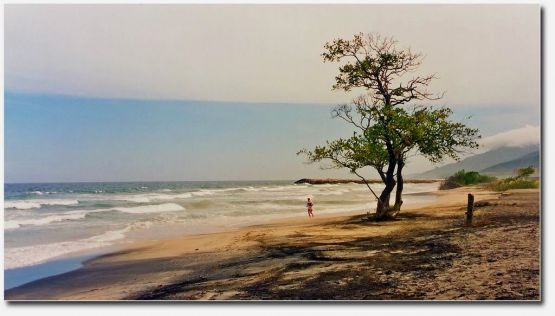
(462, 178)
(520, 181)
(388, 128)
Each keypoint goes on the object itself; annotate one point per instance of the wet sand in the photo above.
(426, 254)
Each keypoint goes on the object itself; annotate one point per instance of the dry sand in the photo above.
(427, 254)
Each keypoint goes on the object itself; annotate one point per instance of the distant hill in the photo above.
(479, 162)
(508, 167)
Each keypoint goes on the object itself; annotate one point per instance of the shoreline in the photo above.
(170, 230)
(137, 212)
(162, 269)
(23, 275)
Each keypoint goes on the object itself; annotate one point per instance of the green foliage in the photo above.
(463, 178)
(517, 182)
(353, 153)
(438, 137)
(426, 130)
(525, 172)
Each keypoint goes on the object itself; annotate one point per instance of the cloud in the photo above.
(520, 137)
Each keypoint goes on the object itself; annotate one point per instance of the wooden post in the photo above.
(469, 210)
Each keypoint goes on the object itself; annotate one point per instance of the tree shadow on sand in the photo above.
(401, 265)
(360, 268)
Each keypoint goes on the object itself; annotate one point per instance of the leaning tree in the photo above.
(387, 132)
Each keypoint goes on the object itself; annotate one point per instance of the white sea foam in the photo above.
(203, 193)
(80, 214)
(131, 198)
(30, 204)
(165, 197)
(330, 185)
(152, 197)
(31, 255)
(186, 195)
(147, 198)
(166, 207)
(334, 192)
(110, 235)
(42, 193)
(12, 224)
(277, 188)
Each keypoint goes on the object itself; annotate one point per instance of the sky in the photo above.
(223, 92)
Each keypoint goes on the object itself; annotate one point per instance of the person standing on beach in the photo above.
(309, 207)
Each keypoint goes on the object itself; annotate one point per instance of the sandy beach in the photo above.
(427, 254)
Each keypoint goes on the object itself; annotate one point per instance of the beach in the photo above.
(426, 254)
(49, 223)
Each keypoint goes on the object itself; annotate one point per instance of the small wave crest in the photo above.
(81, 214)
(42, 193)
(166, 207)
(31, 255)
(31, 204)
(13, 224)
(146, 198)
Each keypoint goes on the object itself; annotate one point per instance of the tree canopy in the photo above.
(386, 129)
(376, 64)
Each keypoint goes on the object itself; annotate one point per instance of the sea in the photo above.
(51, 228)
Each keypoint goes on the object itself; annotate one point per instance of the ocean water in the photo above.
(48, 222)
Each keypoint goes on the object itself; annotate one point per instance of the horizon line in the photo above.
(8, 92)
(154, 181)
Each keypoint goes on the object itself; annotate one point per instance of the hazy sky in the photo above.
(483, 54)
(487, 58)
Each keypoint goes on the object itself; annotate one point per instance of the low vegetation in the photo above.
(463, 178)
(520, 181)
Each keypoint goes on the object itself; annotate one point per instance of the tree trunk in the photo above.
(383, 210)
(399, 192)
